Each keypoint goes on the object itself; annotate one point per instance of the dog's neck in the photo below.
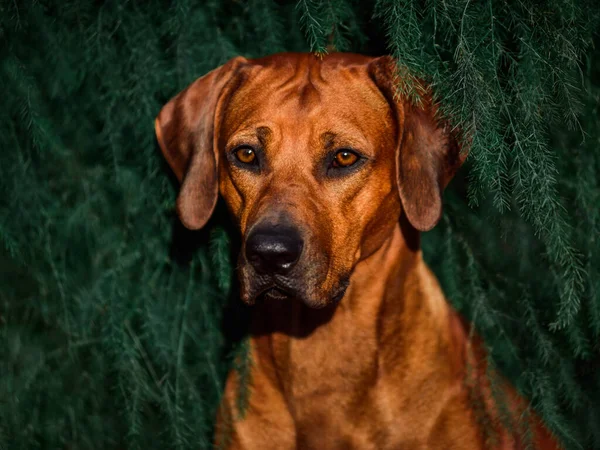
(394, 283)
(391, 293)
(380, 275)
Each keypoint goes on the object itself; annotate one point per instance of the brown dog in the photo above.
(330, 178)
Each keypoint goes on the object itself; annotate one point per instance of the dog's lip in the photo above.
(275, 293)
(338, 296)
(341, 290)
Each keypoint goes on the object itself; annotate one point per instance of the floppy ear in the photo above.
(185, 130)
(427, 154)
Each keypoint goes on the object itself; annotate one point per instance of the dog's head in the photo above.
(316, 160)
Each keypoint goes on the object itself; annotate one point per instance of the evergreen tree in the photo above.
(117, 326)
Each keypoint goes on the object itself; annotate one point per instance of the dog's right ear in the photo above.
(185, 130)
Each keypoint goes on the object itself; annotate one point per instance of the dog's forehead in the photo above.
(296, 91)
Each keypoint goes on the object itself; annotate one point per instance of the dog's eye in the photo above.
(246, 155)
(344, 158)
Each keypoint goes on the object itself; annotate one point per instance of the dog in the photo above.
(330, 177)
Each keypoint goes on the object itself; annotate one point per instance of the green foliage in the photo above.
(116, 324)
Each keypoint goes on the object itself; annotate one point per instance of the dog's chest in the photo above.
(339, 359)
(344, 390)
(332, 385)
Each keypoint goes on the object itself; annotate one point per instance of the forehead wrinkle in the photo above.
(301, 86)
(309, 95)
(309, 92)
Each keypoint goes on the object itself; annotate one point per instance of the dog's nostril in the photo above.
(274, 251)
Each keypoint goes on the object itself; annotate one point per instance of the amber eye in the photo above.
(344, 158)
(245, 155)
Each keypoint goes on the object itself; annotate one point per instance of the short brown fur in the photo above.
(391, 366)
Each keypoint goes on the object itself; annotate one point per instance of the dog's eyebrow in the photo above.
(264, 134)
(330, 140)
(250, 134)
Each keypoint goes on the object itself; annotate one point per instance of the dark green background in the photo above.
(117, 325)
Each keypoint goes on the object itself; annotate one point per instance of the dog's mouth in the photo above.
(275, 293)
(279, 289)
(266, 288)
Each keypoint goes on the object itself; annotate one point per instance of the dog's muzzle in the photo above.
(277, 263)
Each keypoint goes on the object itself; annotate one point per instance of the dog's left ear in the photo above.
(427, 154)
(186, 130)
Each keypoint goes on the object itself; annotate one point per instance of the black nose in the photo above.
(274, 250)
